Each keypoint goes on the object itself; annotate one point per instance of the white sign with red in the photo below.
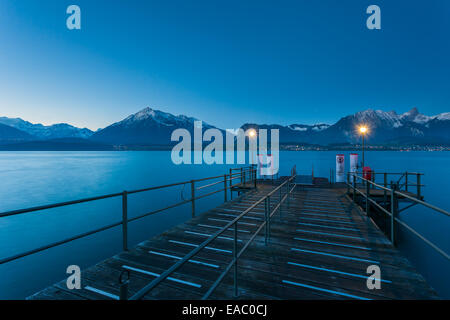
(340, 167)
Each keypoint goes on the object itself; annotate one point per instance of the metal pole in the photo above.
(289, 194)
(279, 207)
(406, 181)
(367, 197)
(348, 183)
(267, 225)
(241, 175)
(418, 186)
(235, 260)
(394, 210)
(193, 198)
(231, 183)
(125, 221)
(373, 178)
(354, 188)
(268, 218)
(385, 185)
(254, 174)
(123, 285)
(363, 151)
(225, 187)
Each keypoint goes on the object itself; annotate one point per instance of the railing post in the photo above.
(267, 225)
(418, 186)
(231, 184)
(354, 188)
(289, 194)
(225, 188)
(193, 198)
(125, 221)
(268, 218)
(373, 178)
(235, 260)
(385, 185)
(241, 176)
(367, 197)
(254, 176)
(281, 196)
(394, 211)
(348, 183)
(123, 284)
(406, 181)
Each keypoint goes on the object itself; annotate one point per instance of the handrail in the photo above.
(264, 223)
(393, 173)
(147, 288)
(423, 203)
(125, 220)
(394, 207)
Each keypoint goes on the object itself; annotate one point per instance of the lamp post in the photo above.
(363, 131)
(252, 135)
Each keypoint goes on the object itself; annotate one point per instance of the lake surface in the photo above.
(38, 178)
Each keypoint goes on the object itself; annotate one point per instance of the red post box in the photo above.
(367, 173)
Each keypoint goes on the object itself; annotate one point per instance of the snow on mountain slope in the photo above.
(39, 131)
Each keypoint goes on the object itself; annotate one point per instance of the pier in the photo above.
(286, 237)
(276, 239)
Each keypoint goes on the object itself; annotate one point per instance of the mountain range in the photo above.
(41, 132)
(150, 127)
(385, 128)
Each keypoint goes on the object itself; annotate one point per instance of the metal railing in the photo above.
(288, 187)
(244, 174)
(399, 176)
(393, 193)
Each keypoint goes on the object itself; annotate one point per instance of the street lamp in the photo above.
(363, 131)
(252, 135)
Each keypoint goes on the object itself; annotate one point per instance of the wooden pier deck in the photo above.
(320, 247)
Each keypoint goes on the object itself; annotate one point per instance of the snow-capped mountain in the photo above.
(390, 127)
(385, 127)
(292, 133)
(146, 127)
(41, 132)
(150, 127)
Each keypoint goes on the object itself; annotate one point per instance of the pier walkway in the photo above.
(318, 246)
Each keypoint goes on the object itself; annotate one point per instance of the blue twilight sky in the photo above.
(225, 62)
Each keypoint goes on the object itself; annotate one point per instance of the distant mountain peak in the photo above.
(145, 113)
(148, 126)
(443, 116)
(39, 131)
(160, 118)
(415, 116)
(411, 113)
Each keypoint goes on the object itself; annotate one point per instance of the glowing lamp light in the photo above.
(363, 129)
(252, 133)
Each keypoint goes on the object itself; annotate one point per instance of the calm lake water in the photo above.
(38, 178)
